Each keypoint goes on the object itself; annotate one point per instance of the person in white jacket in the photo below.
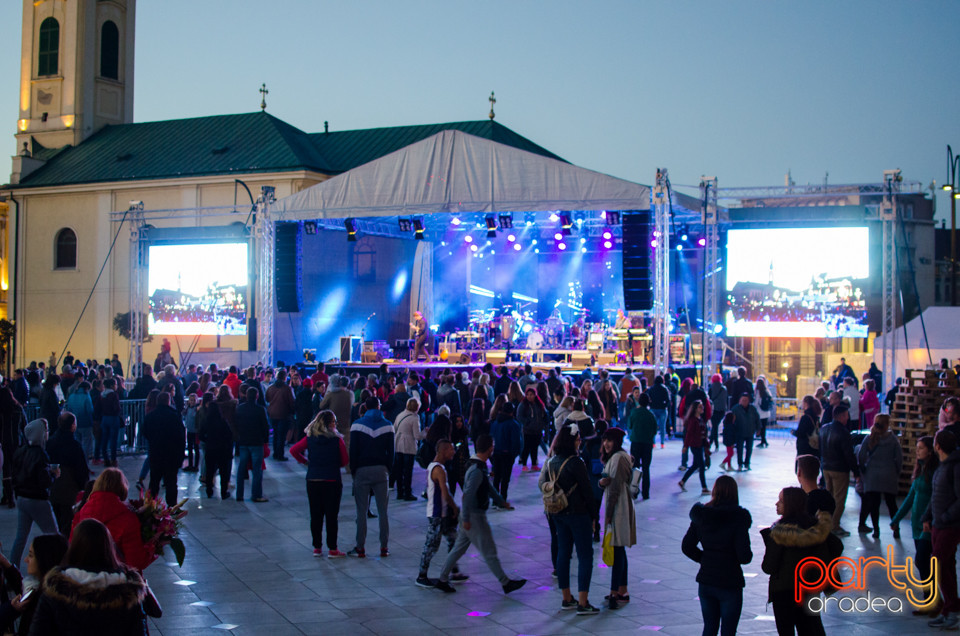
(406, 434)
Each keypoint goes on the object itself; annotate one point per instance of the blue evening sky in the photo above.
(743, 90)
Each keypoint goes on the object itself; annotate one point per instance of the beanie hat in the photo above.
(36, 432)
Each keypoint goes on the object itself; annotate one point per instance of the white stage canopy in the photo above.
(456, 172)
(941, 326)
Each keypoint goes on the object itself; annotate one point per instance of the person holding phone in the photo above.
(46, 551)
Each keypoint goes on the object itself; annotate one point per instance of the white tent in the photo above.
(456, 172)
(941, 336)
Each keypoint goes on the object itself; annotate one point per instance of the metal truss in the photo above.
(138, 289)
(661, 285)
(816, 190)
(711, 275)
(264, 233)
(888, 221)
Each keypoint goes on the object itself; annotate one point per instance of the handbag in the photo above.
(635, 477)
(425, 454)
(608, 546)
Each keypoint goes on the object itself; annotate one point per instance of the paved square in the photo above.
(250, 570)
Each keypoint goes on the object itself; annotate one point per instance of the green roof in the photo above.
(234, 144)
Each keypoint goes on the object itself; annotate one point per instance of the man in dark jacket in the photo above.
(252, 433)
(64, 449)
(166, 437)
(746, 420)
(837, 458)
(942, 520)
(508, 442)
(281, 407)
(371, 456)
(170, 379)
(643, 433)
(741, 385)
(20, 388)
(32, 478)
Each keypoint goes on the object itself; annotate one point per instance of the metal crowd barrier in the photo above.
(132, 412)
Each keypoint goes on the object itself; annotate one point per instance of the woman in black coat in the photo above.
(49, 401)
(12, 421)
(808, 425)
(720, 526)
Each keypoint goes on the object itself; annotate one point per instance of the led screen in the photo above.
(798, 282)
(198, 289)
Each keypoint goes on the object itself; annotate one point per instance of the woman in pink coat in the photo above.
(869, 404)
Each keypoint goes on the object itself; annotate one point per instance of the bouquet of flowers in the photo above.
(160, 525)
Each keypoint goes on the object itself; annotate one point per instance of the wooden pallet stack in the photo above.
(915, 413)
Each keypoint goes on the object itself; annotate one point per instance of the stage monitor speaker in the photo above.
(496, 357)
(288, 256)
(637, 283)
(580, 359)
(350, 349)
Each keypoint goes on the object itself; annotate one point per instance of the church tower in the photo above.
(76, 70)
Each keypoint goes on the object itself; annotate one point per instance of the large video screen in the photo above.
(798, 282)
(198, 289)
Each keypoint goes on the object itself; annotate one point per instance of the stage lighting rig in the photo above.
(529, 218)
(491, 226)
(566, 224)
(579, 218)
(351, 227)
(506, 221)
(612, 217)
(405, 224)
(418, 229)
(310, 227)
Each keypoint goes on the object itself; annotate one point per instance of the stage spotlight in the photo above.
(468, 238)
(405, 224)
(506, 221)
(533, 242)
(517, 247)
(582, 240)
(684, 233)
(578, 218)
(702, 242)
(554, 217)
(558, 236)
(418, 229)
(653, 243)
(511, 238)
(537, 251)
(455, 220)
(679, 248)
(562, 246)
(491, 226)
(309, 227)
(473, 248)
(529, 218)
(607, 236)
(351, 227)
(608, 244)
(583, 249)
(612, 217)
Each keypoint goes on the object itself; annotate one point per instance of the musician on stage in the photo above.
(623, 322)
(420, 334)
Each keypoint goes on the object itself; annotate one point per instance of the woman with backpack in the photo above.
(880, 458)
(764, 402)
(808, 428)
(619, 518)
(567, 498)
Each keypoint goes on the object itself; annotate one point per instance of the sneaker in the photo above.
(370, 515)
(524, 469)
(554, 574)
(424, 581)
(939, 621)
(683, 486)
(535, 467)
(952, 622)
(260, 500)
(391, 488)
(661, 446)
(613, 604)
(408, 498)
(705, 491)
(569, 605)
(587, 610)
(336, 554)
(444, 587)
(384, 552)
(513, 585)
(840, 532)
(360, 554)
(681, 467)
(318, 553)
(864, 529)
(459, 577)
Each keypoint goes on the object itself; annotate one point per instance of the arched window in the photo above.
(48, 62)
(109, 51)
(65, 250)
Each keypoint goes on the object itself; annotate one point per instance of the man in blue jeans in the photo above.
(659, 403)
(253, 431)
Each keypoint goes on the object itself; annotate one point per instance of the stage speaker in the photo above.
(606, 358)
(350, 347)
(580, 359)
(288, 254)
(496, 357)
(251, 334)
(637, 283)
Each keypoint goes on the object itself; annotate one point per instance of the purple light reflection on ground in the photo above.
(475, 613)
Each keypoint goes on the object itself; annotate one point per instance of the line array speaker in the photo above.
(637, 287)
(288, 251)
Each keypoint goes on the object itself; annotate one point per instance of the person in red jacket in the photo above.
(106, 504)
(694, 433)
(233, 381)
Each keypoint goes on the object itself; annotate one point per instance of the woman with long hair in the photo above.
(573, 522)
(515, 394)
(720, 527)
(693, 438)
(880, 458)
(90, 591)
(107, 504)
(326, 454)
(457, 467)
(406, 431)
(793, 537)
(498, 403)
(869, 403)
(608, 398)
(478, 424)
(619, 520)
(730, 436)
(532, 415)
(764, 401)
(808, 428)
(45, 552)
(916, 502)
(561, 412)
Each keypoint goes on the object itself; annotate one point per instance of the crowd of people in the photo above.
(591, 440)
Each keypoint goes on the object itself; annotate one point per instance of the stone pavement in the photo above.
(250, 570)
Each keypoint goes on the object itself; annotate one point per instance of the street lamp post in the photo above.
(951, 186)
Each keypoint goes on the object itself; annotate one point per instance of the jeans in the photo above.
(642, 455)
(530, 443)
(554, 548)
(87, 441)
(744, 443)
(661, 417)
(502, 465)
(250, 455)
(324, 499)
(365, 480)
(791, 616)
(481, 537)
(30, 511)
(838, 483)
(618, 572)
(193, 451)
(574, 530)
(720, 605)
(924, 552)
(945, 541)
(280, 428)
(110, 429)
(697, 465)
(404, 474)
